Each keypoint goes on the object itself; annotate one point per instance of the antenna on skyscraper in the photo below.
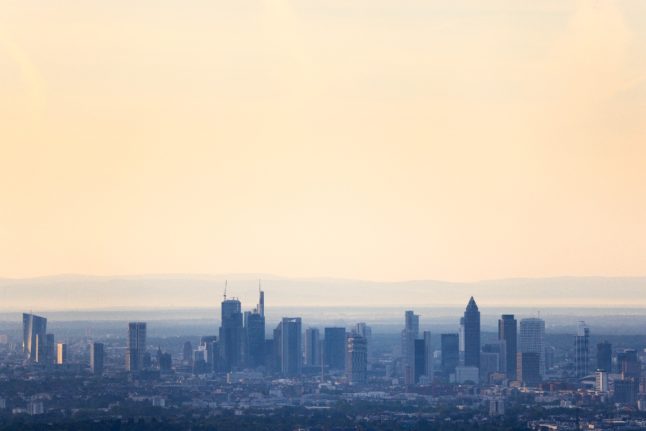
(225, 290)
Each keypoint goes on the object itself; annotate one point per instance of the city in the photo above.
(298, 377)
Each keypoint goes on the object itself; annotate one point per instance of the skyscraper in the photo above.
(472, 335)
(34, 337)
(255, 334)
(528, 368)
(136, 346)
(450, 347)
(231, 331)
(428, 356)
(334, 348)
(61, 354)
(50, 347)
(291, 346)
(582, 350)
(209, 343)
(96, 358)
(532, 339)
(356, 359)
(604, 356)
(312, 347)
(507, 332)
(409, 335)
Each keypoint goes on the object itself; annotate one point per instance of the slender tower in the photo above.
(472, 335)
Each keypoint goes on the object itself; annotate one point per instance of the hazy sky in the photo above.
(375, 139)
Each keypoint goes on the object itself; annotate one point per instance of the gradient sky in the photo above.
(384, 140)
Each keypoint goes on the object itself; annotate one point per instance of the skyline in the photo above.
(372, 140)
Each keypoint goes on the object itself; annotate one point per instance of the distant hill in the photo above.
(73, 292)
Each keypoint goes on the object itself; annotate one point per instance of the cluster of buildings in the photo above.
(246, 365)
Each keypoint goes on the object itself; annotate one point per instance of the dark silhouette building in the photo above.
(508, 334)
(312, 347)
(604, 356)
(290, 346)
(582, 350)
(334, 348)
(231, 334)
(450, 347)
(528, 368)
(136, 346)
(96, 358)
(472, 335)
(255, 334)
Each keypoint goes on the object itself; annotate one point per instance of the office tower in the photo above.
(528, 368)
(409, 335)
(581, 350)
(472, 335)
(366, 332)
(604, 356)
(165, 361)
(356, 359)
(461, 335)
(629, 365)
(136, 346)
(507, 332)
(450, 347)
(419, 362)
(489, 364)
(34, 336)
(334, 348)
(231, 334)
(255, 334)
(626, 391)
(270, 355)
(50, 356)
(601, 381)
(290, 346)
(199, 360)
(428, 356)
(187, 353)
(499, 349)
(96, 358)
(61, 354)
(312, 347)
(210, 345)
(531, 339)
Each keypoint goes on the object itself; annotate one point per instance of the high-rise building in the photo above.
(528, 368)
(290, 346)
(409, 335)
(507, 332)
(96, 358)
(61, 354)
(472, 335)
(366, 332)
(428, 356)
(231, 334)
(450, 348)
(334, 348)
(629, 365)
(356, 359)
(582, 350)
(187, 353)
(255, 334)
(604, 356)
(419, 364)
(50, 356)
(312, 347)
(489, 363)
(461, 335)
(136, 346)
(209, 343)
(34, 337)
(531, 339)
(601, 381)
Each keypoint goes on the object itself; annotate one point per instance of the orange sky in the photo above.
(373, 139)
